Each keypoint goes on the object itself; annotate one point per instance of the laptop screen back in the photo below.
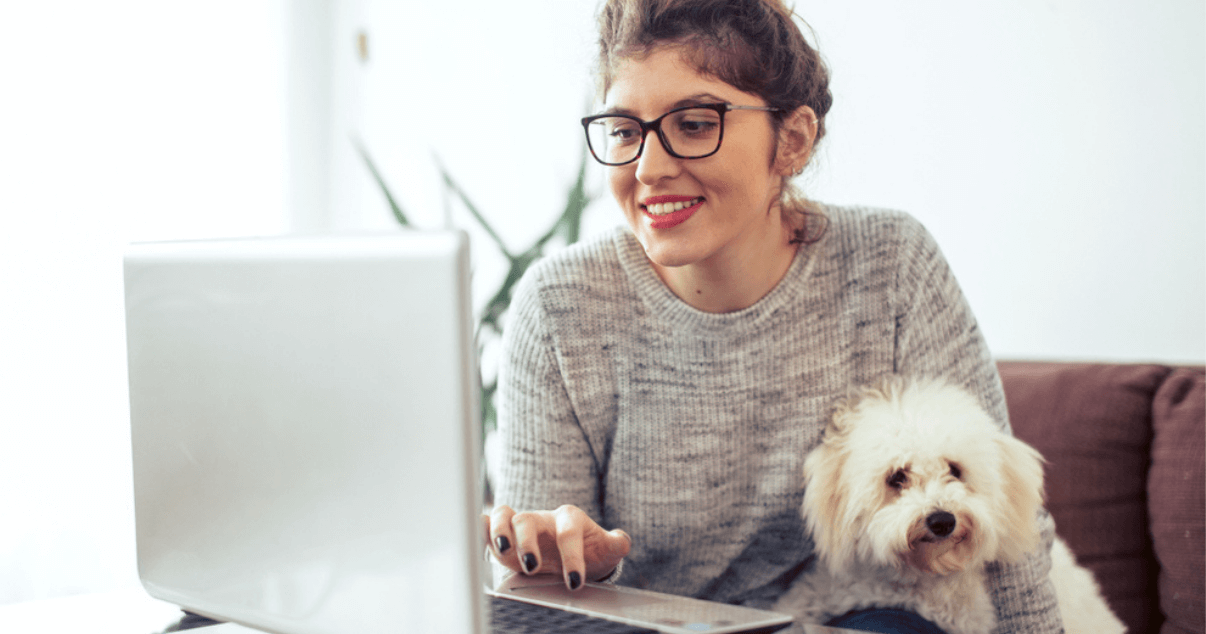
(304, 424)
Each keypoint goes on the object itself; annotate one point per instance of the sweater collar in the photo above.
(662, 302)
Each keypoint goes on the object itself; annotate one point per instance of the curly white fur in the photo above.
(912, 491)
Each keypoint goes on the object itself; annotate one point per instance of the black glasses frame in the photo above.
(656, 126)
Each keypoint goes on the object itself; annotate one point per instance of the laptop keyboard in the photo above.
(516, 617)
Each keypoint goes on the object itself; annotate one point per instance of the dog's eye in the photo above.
(897, 479)
(956, 471)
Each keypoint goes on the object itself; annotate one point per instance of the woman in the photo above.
(662, 384)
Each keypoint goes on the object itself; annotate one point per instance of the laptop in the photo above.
(306, 442)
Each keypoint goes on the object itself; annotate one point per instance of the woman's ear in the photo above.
(797, 135)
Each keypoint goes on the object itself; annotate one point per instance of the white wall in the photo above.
(1056, 148)
(120, 120)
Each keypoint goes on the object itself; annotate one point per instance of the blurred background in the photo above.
(1055, 148)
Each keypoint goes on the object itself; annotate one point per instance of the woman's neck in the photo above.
(736, 277)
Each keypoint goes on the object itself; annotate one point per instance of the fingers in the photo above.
(535, 542)
(604, 554)
(502, 536)
(565, 542)
(570, 523)
(621, 543)
(520, 540)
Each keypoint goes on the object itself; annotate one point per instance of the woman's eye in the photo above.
(626, 135)
(622, 133)
(897, 479)
(696, 127)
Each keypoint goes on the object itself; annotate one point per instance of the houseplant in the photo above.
(564, 230)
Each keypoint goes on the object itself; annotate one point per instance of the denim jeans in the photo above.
(885, 621)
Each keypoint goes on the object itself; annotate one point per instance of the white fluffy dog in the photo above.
(912, 491)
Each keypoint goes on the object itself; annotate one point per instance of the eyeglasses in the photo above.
(690, 132)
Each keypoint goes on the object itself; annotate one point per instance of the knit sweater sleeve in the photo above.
(546, 458)
(937, 335)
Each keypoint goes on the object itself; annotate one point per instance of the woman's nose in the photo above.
(655, 162)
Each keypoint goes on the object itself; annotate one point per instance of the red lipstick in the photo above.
(661, 210)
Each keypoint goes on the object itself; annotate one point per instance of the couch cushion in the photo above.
(1177, 501)
(1092, 422)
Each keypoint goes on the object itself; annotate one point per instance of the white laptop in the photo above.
(304, 415)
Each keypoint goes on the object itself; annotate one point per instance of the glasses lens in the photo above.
(688, 133)
(614, 139)
(694, 132)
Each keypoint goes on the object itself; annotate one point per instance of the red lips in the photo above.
(671, 219)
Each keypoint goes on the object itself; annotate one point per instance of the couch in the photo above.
(1124, 450)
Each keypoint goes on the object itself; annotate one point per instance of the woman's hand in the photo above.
(566, 542)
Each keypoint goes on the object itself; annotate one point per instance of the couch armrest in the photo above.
(1176, 493)
(1092, 423)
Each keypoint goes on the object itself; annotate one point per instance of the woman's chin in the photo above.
(665, 253)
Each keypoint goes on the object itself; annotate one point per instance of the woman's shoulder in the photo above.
(855, 224)
(591, 268)
(869, 234)
(873, 247)
(581, 262)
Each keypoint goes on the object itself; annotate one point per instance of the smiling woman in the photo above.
(734, 184)
(997, 126)
(662, 383)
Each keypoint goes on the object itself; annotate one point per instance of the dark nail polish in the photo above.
(529, 563)
(575, 580)
(504, 544)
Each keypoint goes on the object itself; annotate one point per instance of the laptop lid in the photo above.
(290, 400)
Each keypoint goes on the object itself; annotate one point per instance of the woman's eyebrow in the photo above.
(693, 100)
(617, 110)
(697, 99)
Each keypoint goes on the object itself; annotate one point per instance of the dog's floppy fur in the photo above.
(914, 489)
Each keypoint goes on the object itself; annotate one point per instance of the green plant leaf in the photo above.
(567, 226)
(393, 204)
(489, 413)
(455, 188)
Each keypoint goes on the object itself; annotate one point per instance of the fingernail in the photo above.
(575, 580)
(504, 544)
(529, 563)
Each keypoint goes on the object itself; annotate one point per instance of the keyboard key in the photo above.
(516, 617)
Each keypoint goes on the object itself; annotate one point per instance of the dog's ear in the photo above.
(841, 410)
(824, 505)
(1022, 498)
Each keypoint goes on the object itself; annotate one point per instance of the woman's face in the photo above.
(727, 198)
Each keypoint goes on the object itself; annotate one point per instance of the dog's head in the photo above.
(918, 474)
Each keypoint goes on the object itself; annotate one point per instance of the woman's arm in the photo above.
(547, 461)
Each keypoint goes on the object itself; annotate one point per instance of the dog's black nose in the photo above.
(940, 523)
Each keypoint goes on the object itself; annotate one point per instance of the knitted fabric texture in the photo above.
(689, 429)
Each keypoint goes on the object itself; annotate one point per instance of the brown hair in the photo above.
(752, 45)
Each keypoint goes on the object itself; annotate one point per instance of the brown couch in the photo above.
(1124, 449)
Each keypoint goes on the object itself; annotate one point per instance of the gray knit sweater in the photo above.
(689, 429)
